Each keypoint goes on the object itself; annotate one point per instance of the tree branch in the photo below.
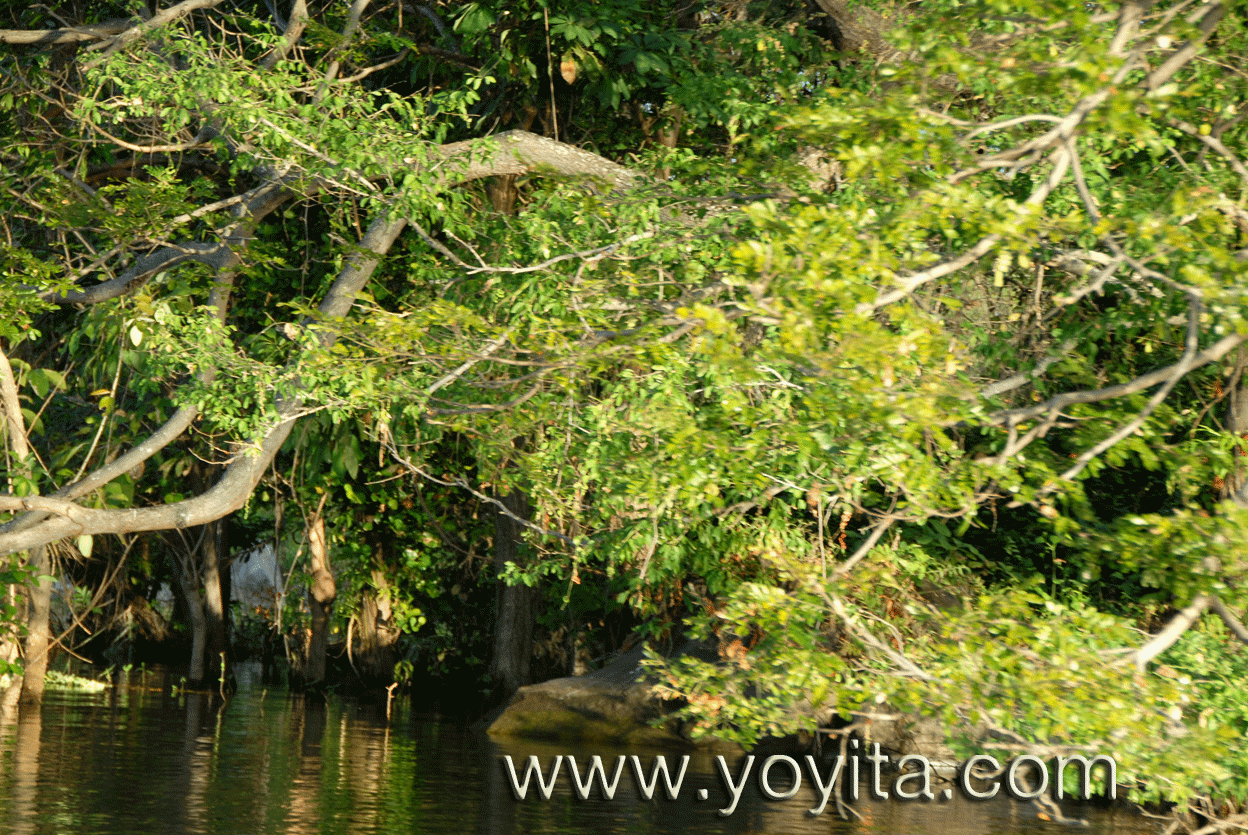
(1210, 15)
(1213, 353)
(173, 428)
(155, 22)
(521, 152)
(241, 474)
(295, 24)
(1228, 617)
(1164, 639)
(221, 255)
(865, 548)
(1178, 370)
(71, 34)
(52, 518)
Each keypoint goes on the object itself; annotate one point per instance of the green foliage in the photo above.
(958, 289)
(1216, 664)
(1016, 663)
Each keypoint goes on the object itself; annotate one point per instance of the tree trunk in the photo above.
(216, 661)
(859, 29)
(38, 633)
(10, 652)
(188, 584)
(375, 660)
(39, 591)
(513, 635)
(321, 594)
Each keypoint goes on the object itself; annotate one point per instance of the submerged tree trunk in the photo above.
(321, 595)
(38, 632)
(513, 636)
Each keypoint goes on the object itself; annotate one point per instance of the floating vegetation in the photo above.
(67, 681)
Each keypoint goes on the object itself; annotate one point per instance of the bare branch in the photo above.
(593, 254)
(1211, 15)
(348, 32)
(521, 152)
(495, 407)
(1060, 158)
(71, 34)
(177, 147)
(367, 71)
(1164, 639)
(250, 208)
(1071, 262)
(1081, 184)
(865, 548)
(1228, 617)
(155, 22)
(917, 280)
(1022, 378)
(1216, 145)
(447, 379)
(1009, 123)
(294, 27)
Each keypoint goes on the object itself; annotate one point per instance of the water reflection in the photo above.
(141, 759)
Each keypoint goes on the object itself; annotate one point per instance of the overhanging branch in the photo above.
(513, 152)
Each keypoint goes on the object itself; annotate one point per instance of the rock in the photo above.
(607, 705)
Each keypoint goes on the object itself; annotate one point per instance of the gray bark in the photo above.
(858, 28)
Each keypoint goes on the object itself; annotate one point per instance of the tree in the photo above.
(1027, 295)
(951, 311)
(213, 192)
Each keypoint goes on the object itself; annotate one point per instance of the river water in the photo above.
(142, 759)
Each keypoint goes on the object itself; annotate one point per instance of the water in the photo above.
(139, 759)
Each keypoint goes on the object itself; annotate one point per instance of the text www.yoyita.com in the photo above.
(779, 777)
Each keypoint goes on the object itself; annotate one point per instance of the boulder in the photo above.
(610, 705)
